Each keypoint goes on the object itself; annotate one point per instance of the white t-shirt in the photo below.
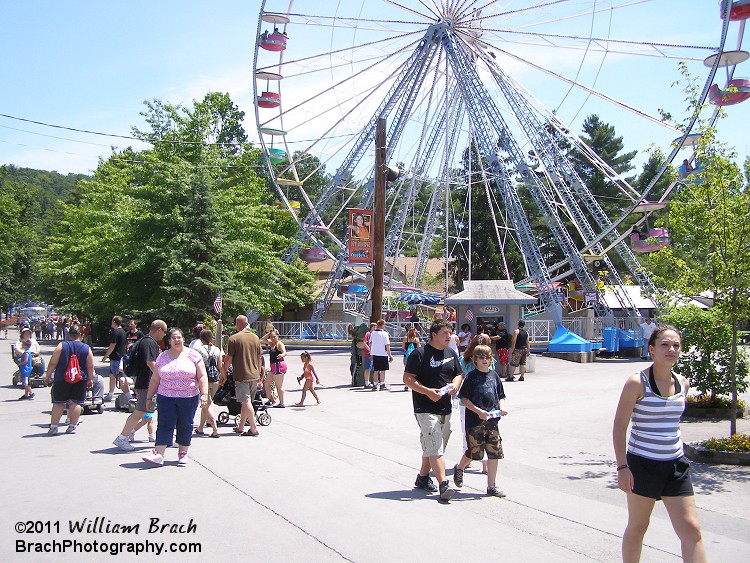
(379, 339)
(647, 329)
(453, 343)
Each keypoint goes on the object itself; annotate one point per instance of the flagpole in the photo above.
(219, 326)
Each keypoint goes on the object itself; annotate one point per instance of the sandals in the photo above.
(199, 432)
(250, 433)
(215, 435)
(236, 430)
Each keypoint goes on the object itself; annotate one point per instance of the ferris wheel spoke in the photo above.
(401, 6)
(351, 22)
(592, 91)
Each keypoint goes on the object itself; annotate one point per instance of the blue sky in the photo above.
(89, 65)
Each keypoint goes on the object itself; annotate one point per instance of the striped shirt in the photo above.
(655, 423)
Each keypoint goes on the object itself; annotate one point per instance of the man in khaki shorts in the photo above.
(244, 354)
(520, 349)
(144, 365)
(428, 369)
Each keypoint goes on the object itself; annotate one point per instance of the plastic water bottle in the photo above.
(494, 413)
(445, 389)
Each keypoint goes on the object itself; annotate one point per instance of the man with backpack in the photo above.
(73, 365)
(141, 365)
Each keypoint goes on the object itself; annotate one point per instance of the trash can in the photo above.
(530, 365)
(610, 340)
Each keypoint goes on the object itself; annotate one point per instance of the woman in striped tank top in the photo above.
(651, 465)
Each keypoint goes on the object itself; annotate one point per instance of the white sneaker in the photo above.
(155, 458)
(71, 429)
(53, 431)
(122, 443)
(152, 437)
(131, 437)
(183, 458)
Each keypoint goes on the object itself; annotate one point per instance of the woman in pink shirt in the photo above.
(181, 384)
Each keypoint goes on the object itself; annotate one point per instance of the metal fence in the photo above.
(539, 330)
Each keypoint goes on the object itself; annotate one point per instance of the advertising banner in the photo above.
(360, 236)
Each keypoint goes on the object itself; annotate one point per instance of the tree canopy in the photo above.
(710, 240)
(161, 231)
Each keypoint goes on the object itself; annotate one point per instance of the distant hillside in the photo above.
(52, 186)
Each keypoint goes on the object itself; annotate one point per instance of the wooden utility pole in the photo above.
(378, 239)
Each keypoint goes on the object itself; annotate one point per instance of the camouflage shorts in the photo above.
(484, 438)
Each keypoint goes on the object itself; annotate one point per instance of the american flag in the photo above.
(218, 304)
(469, 315)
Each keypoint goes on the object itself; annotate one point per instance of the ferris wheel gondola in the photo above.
(508, 81)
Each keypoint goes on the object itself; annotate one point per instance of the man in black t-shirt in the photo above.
(114, 354)
(133, 335)
(144, 365)
(501, 337)
(428, 369)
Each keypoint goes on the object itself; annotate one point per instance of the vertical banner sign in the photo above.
(360, 236)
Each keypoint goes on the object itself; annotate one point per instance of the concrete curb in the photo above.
(696, 452)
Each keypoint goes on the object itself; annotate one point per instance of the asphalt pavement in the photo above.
(335, 482)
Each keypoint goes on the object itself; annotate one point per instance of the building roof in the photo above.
(496, 292)
(405, 266)
(639, 300)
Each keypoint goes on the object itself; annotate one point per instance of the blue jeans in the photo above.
(175, 412)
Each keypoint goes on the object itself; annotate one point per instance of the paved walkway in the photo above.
(334, 482)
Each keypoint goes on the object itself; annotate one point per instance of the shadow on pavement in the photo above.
(710, 478)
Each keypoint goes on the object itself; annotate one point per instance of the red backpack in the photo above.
(73, 371)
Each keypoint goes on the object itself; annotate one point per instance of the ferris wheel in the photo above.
(478, 96)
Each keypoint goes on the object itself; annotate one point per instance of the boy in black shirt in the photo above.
(428, 369)
(484, 398)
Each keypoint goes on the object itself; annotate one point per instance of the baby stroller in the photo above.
(225, 397)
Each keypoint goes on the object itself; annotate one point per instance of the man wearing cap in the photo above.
(64, 394)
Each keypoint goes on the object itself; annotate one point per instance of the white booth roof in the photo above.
(496, 292)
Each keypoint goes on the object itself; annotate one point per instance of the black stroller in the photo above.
(225, 397)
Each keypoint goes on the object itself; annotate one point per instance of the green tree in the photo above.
(491, 250)
(710, 241)
(601, 137)
(706, 357)
(160, 232)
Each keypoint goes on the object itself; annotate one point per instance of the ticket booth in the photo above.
(485, 302)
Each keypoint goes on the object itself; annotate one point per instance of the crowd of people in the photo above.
(176, 379)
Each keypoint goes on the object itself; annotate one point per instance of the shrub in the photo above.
(737, 443)
(713, 402)
(706, 346)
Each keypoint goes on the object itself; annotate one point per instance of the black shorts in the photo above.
(655, 479)
(379, 363)
(62, 392)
